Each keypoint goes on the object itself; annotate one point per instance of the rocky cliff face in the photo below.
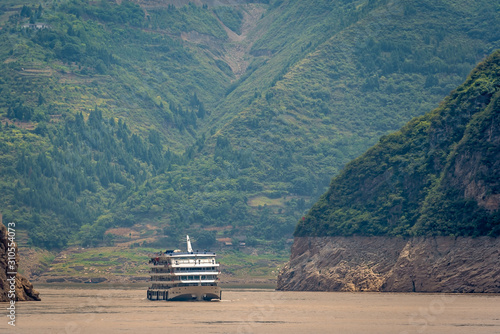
(420, 264)
(24, 289)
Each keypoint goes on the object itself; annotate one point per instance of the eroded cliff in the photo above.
(420, 264)
(24, 289)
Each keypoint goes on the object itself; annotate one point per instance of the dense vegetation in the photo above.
(116, 114)
(439, 175)
(65, 165)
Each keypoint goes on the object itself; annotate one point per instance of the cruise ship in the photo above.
(177, 275)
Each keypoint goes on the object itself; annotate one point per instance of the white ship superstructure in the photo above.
(190, 275)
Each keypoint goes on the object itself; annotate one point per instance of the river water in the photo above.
(126, 310)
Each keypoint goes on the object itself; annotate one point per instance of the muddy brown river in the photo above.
(126, 310)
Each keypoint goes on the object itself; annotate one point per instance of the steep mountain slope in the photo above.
(419, 211)
(104, 55)
(90, 98)
(439, 175)
(394, 62)
(358, 85)
(229, 115)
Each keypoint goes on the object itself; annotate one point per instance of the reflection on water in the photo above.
(126, 310)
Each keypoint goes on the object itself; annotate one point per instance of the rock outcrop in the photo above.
(420, 264)
(24, 289)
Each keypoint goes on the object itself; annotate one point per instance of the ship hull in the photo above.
(184, 293)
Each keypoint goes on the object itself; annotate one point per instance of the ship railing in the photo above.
(196, 278)
(169, 279)
(183, 269)
(206, 253)
(194, 270)
(156, 262)
(195, 262)
(185, 273)
(197, 284)
(198, 281)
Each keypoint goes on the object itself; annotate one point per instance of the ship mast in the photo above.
(190, 249)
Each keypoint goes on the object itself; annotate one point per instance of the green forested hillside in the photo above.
(231, 118)
(93, 104)
(439, 175)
